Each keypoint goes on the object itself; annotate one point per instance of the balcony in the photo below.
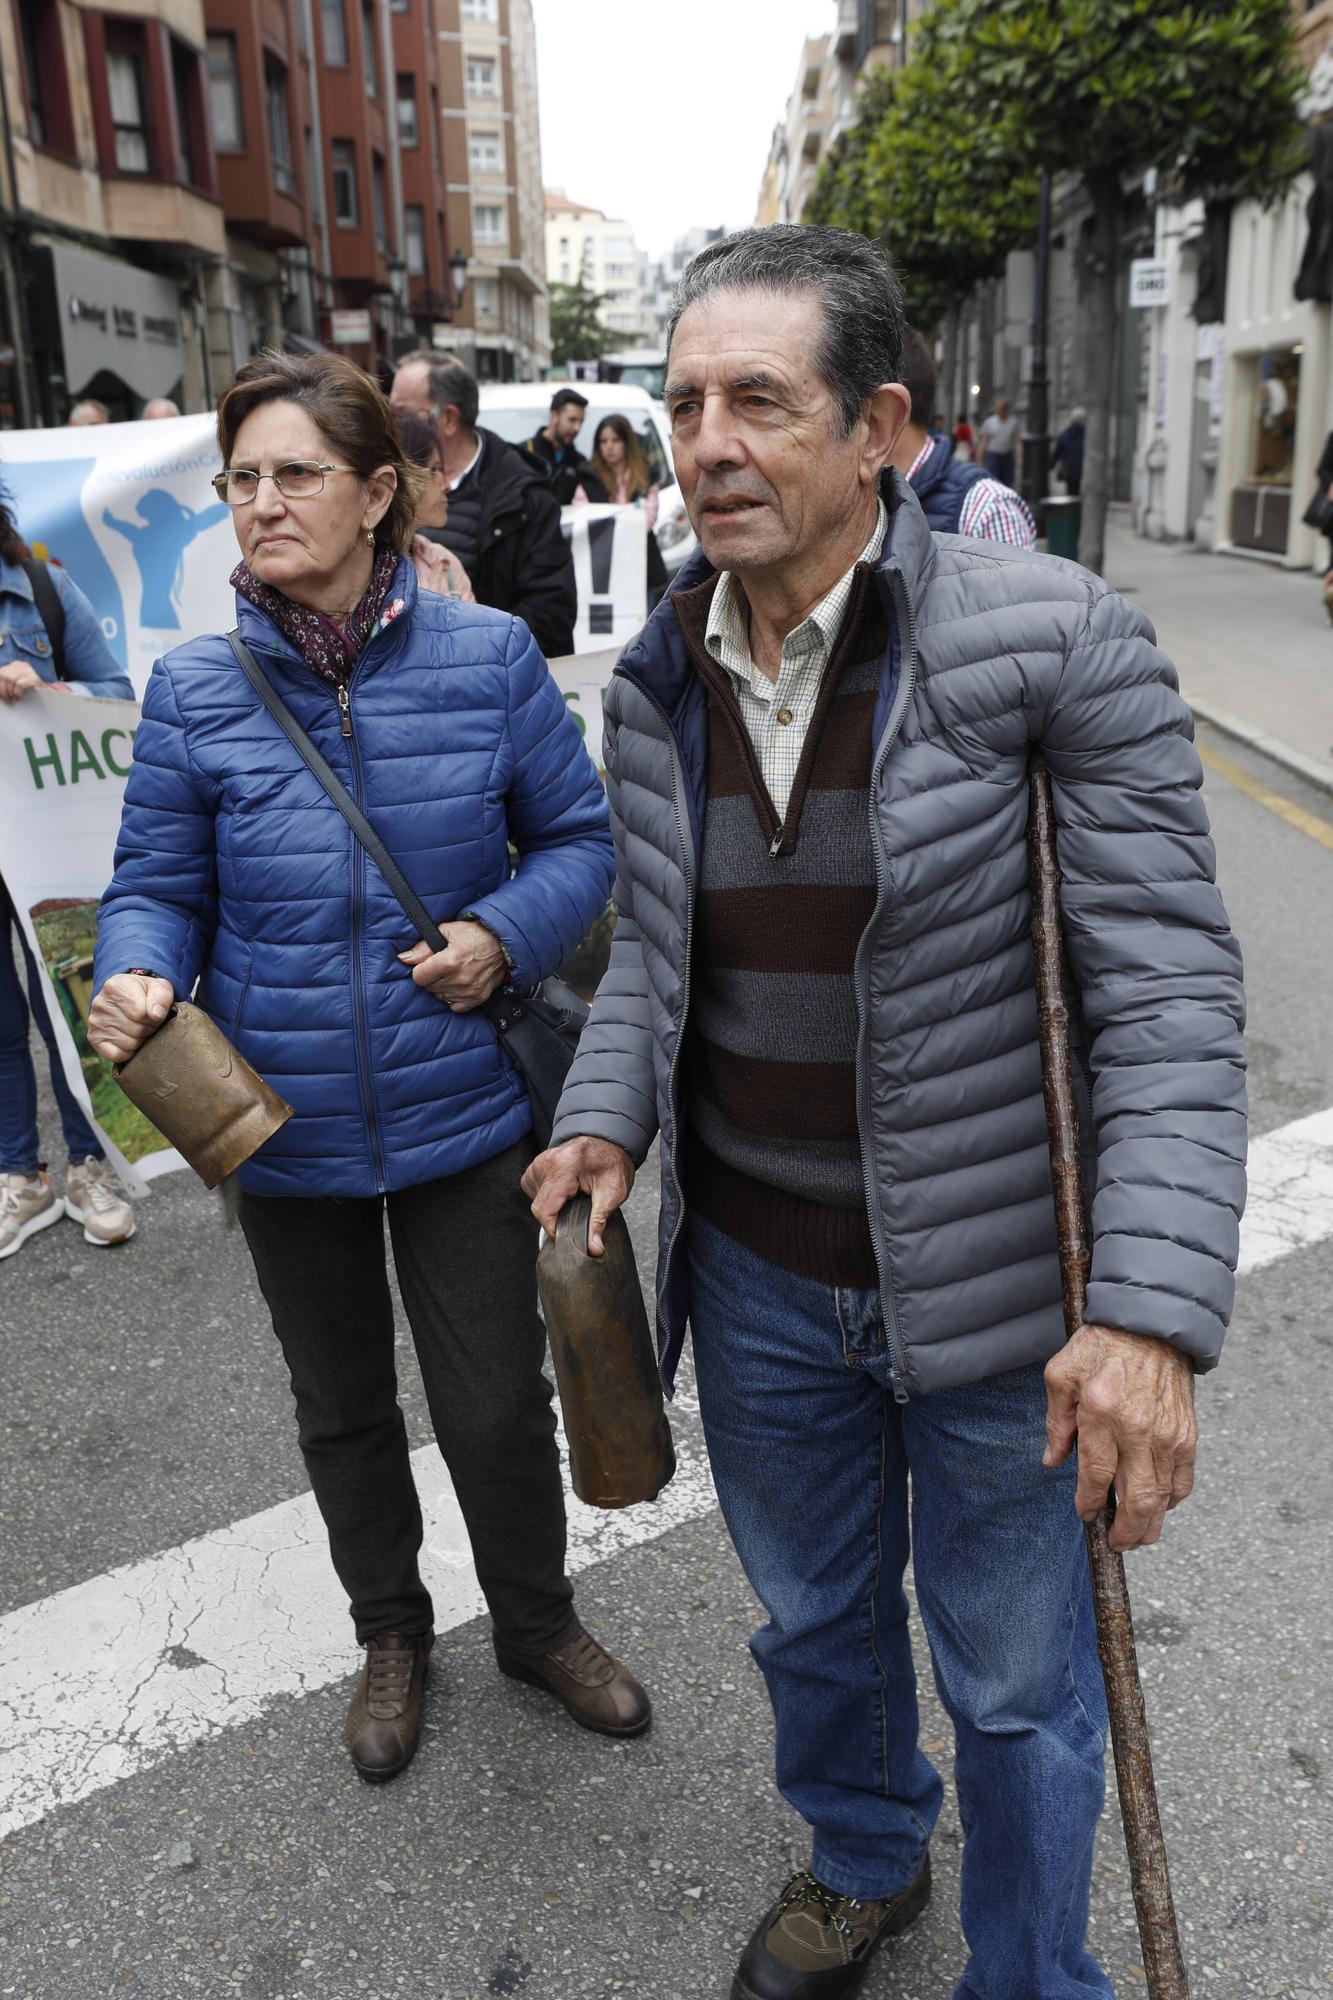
(162, 212)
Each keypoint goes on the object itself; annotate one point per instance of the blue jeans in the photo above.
(18, 1080)
(812, 1456)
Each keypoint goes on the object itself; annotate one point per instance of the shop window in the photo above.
(346, 208)
(45, 76)
(224, 94)
(333, 20)
(1277, 400)
(125, 67)
(409, 125)
(414, 248)
(279, 126)
(368, 47)
(380, 201)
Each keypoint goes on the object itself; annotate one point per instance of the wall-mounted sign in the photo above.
(1149, 282)
(350, 329)
(113, 315)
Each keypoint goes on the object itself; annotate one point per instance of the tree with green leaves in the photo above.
(1204, 91)
(577, 331)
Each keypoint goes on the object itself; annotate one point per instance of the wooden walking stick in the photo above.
(1159, 1939)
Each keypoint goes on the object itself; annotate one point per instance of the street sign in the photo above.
(1149, 282)
(350, 329)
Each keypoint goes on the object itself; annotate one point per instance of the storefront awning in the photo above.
(114, 316)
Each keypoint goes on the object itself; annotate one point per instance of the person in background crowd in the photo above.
(1067, 458)
(964, 438)
(503, 525)
(437, 567)
(999, 435)
(89, 411)
(554, 449)
(77, 658)
(161, 406)
(821, 996)
(1319, 515)
(957, 497)
(445, 718)
(618, 472)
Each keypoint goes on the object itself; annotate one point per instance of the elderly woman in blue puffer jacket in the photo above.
(235, 869)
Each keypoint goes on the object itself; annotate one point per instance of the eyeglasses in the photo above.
(301, 480)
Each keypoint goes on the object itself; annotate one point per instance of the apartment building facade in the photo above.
(585, 246)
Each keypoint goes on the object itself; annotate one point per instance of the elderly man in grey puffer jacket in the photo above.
(821, 995)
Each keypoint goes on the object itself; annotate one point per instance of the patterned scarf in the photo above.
(329, 650)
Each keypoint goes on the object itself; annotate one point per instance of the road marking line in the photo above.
(115, 1675)
(1297, 816)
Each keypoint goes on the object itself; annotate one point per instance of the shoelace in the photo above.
(11, 1193)
(805, 1888)
(582, 1656)
(390, 1677)
(100, 1190)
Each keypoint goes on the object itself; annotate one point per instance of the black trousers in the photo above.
(464, 1249)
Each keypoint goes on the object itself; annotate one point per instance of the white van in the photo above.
(517, 410)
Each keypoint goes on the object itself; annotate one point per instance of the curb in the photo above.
(1314, 770)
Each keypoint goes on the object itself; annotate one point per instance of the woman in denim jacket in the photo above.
(28, 1202)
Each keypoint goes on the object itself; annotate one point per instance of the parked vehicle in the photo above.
(514, 410)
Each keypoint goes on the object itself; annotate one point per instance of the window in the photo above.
(379, 201)
(400, 6)
(409, 127)
(477, 10)
(435, 128)
(480, 76)
(368, 47)
(485, 296)
(333, 15)
(124, 77)
(414, 247)
(45, 76)
(345, 206)
(279, 129)
(313, 178)
(483, 152)
(488, 223)
(183, 78)
(224, 94)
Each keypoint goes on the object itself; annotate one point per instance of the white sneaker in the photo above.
(25, 1207)
(94, 1197)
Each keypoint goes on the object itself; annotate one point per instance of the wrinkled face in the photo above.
(610, 447)
(755, 433)
(567, 422)
(433, 507)
(303, 547)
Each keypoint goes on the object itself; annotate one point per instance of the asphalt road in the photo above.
(144, 1404)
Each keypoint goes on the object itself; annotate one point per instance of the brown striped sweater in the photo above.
(774, 1158)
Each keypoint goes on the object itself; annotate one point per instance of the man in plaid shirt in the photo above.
(956, 496)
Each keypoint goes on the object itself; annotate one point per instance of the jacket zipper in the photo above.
(860, 972)
(362, 1028)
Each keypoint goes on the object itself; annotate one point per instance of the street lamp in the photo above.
(458, 275)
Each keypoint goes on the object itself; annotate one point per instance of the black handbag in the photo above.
(1319, 514)
(540, 1029)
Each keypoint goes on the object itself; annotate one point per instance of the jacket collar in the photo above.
(935, 467)
(658, 659)
(15, 582)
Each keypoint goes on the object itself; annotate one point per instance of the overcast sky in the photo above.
(660, 111)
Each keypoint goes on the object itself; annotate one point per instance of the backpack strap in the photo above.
(50, 609)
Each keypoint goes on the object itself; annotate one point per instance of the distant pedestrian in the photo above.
(957, 497)
(89, 411)
(1067, 458)
(235, 869)
(437, 567)
(999, 434)
(618, 472)
(160, 407)
(1319, 515)
(554, 449)
(59, 646)
(964, 438)
(504, 525)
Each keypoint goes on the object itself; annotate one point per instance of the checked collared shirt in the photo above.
(991, 512)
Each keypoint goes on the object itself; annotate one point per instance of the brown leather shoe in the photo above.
(598, 1692)
(384, 1718)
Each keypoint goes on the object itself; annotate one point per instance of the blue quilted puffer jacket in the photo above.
(235, 868)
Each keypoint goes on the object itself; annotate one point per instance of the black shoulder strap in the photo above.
(50, 609)
(421, 918)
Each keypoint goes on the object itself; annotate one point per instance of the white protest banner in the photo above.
(63, 764)
(610, 550)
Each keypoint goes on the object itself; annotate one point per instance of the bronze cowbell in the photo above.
(201, 1094)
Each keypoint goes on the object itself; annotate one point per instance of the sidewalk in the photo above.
(1252, 643)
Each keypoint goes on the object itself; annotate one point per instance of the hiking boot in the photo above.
(384, 1717)
(94, 1197)
(597, 1690)
(25, 1207)
(816, 1945)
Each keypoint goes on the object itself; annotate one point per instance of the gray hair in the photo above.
(448, 382)
(862, 345)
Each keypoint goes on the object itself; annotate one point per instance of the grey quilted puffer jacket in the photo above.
(993, 652)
